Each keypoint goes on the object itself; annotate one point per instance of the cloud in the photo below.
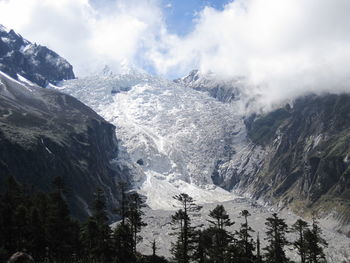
(88, 35)
(284, 48)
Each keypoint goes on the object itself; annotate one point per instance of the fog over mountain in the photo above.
(284, 48)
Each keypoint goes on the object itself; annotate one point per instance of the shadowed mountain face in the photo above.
(44, 134)
(307, 151)
(34, 62)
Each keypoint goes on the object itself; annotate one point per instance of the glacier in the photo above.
(172, 137)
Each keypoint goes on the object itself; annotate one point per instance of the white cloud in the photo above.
(88, 37)
(284, 47)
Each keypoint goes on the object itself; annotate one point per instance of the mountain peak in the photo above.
(3, 29)
(36, 63)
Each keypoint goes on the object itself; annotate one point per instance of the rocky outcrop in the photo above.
(306, 163)
(45, 133)
(223, 90)
(34, 62)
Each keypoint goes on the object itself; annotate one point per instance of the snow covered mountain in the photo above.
(173, 137)
(34, 62)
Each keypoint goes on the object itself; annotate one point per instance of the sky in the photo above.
(283, 48)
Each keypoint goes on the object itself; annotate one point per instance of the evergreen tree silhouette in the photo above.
(276, 238)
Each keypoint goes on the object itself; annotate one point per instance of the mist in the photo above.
(283, 48)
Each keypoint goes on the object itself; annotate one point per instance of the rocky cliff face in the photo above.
(306, 159)
(296, 156)
(44, 134)
(34, 62)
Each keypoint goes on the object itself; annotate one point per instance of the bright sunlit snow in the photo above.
(176, 134)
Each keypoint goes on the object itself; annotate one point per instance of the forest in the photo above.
(40, 226)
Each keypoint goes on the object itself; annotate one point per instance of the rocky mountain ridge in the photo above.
(34, 62)
(307, 149)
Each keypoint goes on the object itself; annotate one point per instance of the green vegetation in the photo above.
(263, 129)
(40, 224)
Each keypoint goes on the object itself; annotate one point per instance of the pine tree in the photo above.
(12, 199)
(134, 217)
(245, 241)
(124, 244)
(299, 227)
(314, 244)
(21, 226)
(58, 226)
(276, 238)
(96, 233)
(258, 253)
(103, 248)
(220, 217)
(154, 248)
(38, 217)
(123, 201)
(37, 235)
(183, 248)
(221, 238)
(205, 245)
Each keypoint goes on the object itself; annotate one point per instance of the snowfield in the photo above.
(172, 137)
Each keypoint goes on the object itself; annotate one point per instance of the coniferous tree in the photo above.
(258, 253)
(123, 201)
(96, 232)
(124, 244)
(220, 218)
(220, 237)
(205, 245)
(314, 244)
(37, 235)
(299, 227)
(184, 247)
(21, 226)
(11, 200)
(59, 225)
(245, 241)
(276, 238)
(36, 222)
(134, 216)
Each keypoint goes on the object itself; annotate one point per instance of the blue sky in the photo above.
(179, 14)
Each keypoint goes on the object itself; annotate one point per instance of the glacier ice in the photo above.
(178, 134)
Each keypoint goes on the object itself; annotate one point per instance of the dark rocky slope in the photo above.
(34, 62)
(44, 134)
(307, 156)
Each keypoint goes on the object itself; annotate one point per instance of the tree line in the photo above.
(215, 244)
(40, 225)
